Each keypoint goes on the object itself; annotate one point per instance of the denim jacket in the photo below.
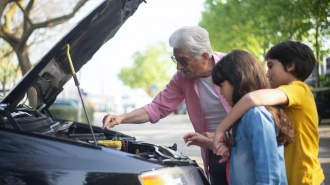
(256, 157)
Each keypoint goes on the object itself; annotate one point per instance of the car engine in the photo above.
(30, 120)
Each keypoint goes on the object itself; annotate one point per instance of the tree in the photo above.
(225, 34)
(150, 70)
(251, 25)
(19, 23)
(257, 25)
(8, 70)
(319, 12)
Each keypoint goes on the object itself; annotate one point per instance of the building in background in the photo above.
(323, 69)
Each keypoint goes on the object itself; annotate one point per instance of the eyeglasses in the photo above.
(182, 62)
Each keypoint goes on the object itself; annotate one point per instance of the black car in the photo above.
(322, 100)
(65, 102)
(38, 148)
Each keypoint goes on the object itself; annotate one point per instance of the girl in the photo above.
(257, 139)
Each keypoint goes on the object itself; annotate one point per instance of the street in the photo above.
(170, 130)
(324, 152)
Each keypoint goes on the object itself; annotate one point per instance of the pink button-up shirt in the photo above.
(179, 88)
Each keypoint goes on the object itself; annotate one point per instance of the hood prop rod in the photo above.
(78, 87)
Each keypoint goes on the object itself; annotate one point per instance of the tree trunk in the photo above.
(23, 59)
(317, 48)
(24, 62)
(4, 87)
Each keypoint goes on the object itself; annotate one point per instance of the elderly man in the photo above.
(193, 82)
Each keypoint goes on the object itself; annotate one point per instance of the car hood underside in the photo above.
(50, 74)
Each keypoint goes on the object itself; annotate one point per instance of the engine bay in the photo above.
(29, 120)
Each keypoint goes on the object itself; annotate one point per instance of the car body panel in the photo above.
(44, 153)
(31, 158)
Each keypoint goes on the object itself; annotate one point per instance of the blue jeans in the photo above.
(322, 183)
(217, 170)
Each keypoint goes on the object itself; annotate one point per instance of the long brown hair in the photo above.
(246, 74)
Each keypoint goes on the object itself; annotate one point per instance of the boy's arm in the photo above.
(256, 98)
(252, 99)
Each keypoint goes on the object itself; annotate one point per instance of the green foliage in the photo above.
(227, 26)
(151, 68)
(325, 80)
(257, 25)
(71, 113)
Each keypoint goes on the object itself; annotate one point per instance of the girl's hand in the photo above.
(224, 152)
(220, 139)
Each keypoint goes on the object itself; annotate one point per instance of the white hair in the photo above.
(194, 38)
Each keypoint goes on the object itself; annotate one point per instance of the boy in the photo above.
(289, 65)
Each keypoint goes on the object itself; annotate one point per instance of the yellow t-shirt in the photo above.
(301, 156)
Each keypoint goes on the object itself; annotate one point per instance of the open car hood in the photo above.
(53, 71)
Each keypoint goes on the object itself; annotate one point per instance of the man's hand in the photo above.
(197, 139)
(109, 121)
(209, 135)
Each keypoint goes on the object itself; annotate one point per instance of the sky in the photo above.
(153, 22)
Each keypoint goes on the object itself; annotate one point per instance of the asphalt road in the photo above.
(170, 130)
(324, 152)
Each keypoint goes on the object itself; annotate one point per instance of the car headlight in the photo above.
(174, 176)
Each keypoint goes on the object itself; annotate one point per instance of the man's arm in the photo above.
(136, 116)
(161, 106)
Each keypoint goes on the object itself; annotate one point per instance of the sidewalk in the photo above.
(324, 152)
